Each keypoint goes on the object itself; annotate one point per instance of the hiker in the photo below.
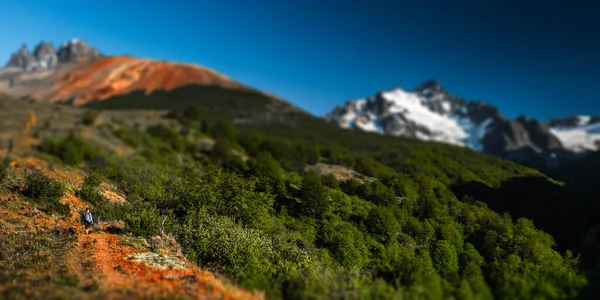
(87, 220)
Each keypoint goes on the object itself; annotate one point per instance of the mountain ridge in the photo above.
(80, 74)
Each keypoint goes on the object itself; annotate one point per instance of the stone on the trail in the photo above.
(159, 261)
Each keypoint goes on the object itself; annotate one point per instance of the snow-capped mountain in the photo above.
(430, 113)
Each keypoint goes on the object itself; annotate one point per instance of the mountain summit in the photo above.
(430, 113)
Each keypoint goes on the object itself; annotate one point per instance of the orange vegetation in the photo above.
(32, 121)
(119, 75)
(22, 165)
(110, 193)
(20, 216)
(118, 275)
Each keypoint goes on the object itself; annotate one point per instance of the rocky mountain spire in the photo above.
(45, 53)
(76, 49)
(21, 59)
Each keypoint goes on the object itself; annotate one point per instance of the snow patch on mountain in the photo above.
(475, 132)
(442, 128)
(585, 137)
(584, 120)
(349, 120)
(369, 126)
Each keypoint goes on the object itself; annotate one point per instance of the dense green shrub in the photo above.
(71, 149)
(223, 130)
(167, 136)
(241, 253)
(312, 194)
(192, 112)
(143, 219)
(89, 117)
(45, 191)
(251, 142)
(266, 165)
(345, 243)
(382, 225)
(131, 136)
(4, 164)
(330, 181)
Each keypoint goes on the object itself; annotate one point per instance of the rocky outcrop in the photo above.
(76, 49)
(46, 56)
(21, 59)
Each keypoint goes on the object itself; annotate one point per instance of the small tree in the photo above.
(313, 196)
(224, 130)
(89, 117)
(192, 113)
(382, 225)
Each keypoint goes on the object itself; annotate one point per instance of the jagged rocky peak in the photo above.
(46, 56)
(430, 87)
(76, 49)
(377, 104)
(21, 59)
(45, 53)
(480, 111)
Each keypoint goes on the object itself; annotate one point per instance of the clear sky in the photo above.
(541, 58)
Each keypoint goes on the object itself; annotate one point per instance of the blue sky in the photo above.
(541, 58)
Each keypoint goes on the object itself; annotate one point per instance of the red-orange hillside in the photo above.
(120, 75)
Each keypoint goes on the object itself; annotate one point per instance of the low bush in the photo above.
(72, 149)
(89, 117)
(4, 168)
(45, 191)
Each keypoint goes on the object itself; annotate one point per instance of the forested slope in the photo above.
(244, 207)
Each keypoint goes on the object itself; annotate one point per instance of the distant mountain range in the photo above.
(77, 73)
(430, 113)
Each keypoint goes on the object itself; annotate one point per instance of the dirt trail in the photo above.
(105, 269)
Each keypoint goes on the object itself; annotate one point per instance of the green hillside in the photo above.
(418, 223)
(422, 221)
